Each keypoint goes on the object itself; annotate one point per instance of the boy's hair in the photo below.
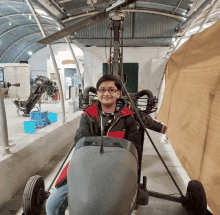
(108, 78)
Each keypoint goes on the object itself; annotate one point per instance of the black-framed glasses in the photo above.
(110, 91)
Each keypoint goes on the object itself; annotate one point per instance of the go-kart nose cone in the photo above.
(102, 183)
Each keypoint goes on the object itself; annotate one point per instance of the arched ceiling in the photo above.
(148, 23)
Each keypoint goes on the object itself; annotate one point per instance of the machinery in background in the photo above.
(41, 85)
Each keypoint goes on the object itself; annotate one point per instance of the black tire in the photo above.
(196, 201)
(33, 196)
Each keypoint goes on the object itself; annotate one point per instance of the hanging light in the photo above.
(9, 23)
(29, 16)
(30, 53)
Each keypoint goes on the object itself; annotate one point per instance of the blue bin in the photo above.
(38, 115)
(29, 126)
(52, 117)
(40, 122)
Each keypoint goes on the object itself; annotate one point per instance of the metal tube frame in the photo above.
(53, 60)
(115, 69)
(177, 6)
(110, 50)
(143, 126)
(194, 15)
(61, 167)
(166, 197)
(77, 65)
(215, 4)
(3, 124)
(122, 30)
(128, 11)
(185, 31)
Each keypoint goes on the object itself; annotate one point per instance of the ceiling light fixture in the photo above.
(30, 53)
(9, 23)
(29, 16)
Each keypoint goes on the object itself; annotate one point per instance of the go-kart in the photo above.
(104, 178)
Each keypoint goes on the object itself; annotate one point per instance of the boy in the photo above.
(118, 121)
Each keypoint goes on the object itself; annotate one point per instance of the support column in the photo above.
(53, 60)
(77, 65)
(116, 26)
(3, 124)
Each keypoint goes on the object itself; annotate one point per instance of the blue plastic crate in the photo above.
(39, 122)
(39, 115)
(29, 126)
(52, 117)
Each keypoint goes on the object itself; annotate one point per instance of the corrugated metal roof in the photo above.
(145, 25)
(19, 31)
(152, 25)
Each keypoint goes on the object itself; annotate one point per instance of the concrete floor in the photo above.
(157, 177)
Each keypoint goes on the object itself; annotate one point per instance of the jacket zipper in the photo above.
(113, 125)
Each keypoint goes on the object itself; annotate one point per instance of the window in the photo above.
(1, 74)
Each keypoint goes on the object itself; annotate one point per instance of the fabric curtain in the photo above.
(191, 109)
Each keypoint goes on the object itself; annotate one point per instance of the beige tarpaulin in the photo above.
(191, 109)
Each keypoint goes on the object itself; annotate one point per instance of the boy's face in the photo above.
(108, 98)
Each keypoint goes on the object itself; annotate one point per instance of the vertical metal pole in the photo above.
(77, 65)
(53, 60)
(116, 25)
(3, 124)
(110, 50)
(208, 15)
(122, 30)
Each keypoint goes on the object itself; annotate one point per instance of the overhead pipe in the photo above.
(184, 33)
(53, 60)
(177, 6)
(128, 11)
(208, 15)
(194, 15)
(39, 5)
(57, 6)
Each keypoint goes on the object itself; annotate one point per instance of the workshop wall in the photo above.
(151, 62)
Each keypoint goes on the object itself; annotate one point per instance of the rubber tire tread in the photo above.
(196, 188)
(27, 195)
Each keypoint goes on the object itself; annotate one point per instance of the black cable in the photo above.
(105, 43)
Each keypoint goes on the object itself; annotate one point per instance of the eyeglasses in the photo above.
(110, 91)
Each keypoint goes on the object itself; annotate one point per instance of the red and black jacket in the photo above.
(123, 126)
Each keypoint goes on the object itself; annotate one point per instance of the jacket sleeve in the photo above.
(84, 129)
(132, 132)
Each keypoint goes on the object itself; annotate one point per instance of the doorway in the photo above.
(131, 72)
(69, 77)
